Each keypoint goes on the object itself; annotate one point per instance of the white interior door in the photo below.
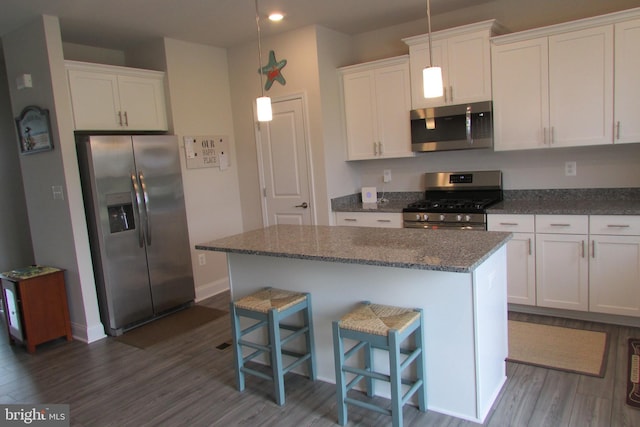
(285, 165)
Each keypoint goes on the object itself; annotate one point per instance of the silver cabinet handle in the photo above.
(375, 148)
(380, 146)
(544, 135)
(451, 93)
(583, 249)
(618, 225)
(126, 119)
(509, 223)
(593, 249)
(560, 225)
(383, 220)
(303, 205)
(120, 118)
(530, 246)
(468, 124)
(552, 135)
(350, 220)
(618, 129)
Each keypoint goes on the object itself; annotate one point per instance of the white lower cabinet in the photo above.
(521, 258)
(562, 263)
(614, 265)
(577, 262)
(373, 219)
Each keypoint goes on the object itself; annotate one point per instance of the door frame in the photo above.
(308, 155)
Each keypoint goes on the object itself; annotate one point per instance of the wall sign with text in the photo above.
(207, 151)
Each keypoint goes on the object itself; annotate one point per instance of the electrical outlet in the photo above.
(202, 259)
(386, 175)
(570, 169)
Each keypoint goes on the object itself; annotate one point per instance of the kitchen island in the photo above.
(458, 278)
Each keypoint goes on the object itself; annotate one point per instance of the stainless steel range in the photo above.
(455, 200)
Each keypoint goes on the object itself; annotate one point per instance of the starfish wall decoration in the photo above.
(273, 71)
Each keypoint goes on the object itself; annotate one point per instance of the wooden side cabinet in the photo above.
(35, 306)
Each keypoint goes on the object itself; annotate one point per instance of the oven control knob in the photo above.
(418, 217)
(467, 218)
(425, 217)
(441, 217)
(458, 218)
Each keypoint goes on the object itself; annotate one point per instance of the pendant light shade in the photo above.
(432, 81)
(431, 76)
(263, 107)
(263, 103)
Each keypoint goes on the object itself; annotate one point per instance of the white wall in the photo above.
(58, 227)
(15, 239)
(201, 105)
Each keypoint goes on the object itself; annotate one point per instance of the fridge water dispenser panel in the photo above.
(120, 210)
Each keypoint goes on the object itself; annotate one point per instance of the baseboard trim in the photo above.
(212, 288)
(87, 334)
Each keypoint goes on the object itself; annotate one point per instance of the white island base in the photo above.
(465, 318)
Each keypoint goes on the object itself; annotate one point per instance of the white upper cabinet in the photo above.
(581, 87)
(464, 53)
(377, 102)
(627, 78)
(116, 98)
(521, 94)
(554, 91)
(566, 85)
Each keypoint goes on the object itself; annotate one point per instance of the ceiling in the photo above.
(118, 24)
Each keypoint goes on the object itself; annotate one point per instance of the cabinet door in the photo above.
(142, 102)
(521, 258)
(360, 115)
(521, 94)
(581, 87)
(393, 100)
(95, 100)
(627, 82)
(13, 309)
(562, 271)
(469, 68)
(521, 269)
(614, 275)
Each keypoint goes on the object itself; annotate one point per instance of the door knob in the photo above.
(304, 205)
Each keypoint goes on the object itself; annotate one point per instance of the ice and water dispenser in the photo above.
(120, 209)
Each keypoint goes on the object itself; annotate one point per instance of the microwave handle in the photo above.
(468, 124)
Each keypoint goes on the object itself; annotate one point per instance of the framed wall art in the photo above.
(34, 130)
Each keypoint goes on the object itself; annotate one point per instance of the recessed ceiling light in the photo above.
(276, 16)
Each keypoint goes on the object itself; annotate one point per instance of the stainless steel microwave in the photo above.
(452, 127)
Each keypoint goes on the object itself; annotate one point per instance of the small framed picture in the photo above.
(34, 130)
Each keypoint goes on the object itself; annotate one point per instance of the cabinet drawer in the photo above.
(562, 224)
(365, 219)
(623, 225)
(512, 223)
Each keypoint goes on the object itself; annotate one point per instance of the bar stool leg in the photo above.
(420, 366)
(368, 366)
(341, 391)
(276, 355)
(237, 349)
(396, 379)
(308, 319)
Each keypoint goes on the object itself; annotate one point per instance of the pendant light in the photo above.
(263, 103)
(431, 76)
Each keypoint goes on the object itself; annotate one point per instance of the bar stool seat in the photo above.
(375, 326)
(269, 307)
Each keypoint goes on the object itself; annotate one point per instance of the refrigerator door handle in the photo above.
(147, 222)
(137, 209)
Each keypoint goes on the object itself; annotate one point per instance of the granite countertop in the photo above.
(600, 201)
(442, 250)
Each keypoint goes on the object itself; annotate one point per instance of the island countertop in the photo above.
(441, 250)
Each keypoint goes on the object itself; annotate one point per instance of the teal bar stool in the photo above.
(269, 307)
(383, 327)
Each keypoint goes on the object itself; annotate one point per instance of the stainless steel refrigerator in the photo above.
(134, 201)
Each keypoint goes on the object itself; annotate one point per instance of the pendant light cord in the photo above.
(429, 29)
(259, 49)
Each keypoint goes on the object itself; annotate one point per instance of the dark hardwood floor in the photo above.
(188, 382)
